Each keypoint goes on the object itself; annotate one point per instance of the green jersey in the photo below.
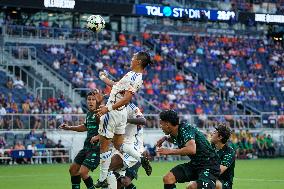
(227, 158)
(269, 142)
(205, 154)
(92, 130)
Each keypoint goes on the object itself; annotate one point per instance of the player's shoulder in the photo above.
(132, 106)
(229, 149)
(134, 76)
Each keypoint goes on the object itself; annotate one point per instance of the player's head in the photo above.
(168, 120)
(221, 134)
(140, 60)
(94, 100)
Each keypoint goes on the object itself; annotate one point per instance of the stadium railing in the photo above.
(48, 32)
(48, 154)
(52, 121)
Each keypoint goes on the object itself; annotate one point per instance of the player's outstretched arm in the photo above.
(106, 80)
(162, 140)
(78, 128)
(137, 121)
(123, 102)
(189, 149)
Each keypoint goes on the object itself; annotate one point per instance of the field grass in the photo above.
(249, 174)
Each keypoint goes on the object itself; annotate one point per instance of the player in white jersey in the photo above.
(114, 116)
(123, 167)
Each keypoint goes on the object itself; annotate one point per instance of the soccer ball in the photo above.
(95, 23)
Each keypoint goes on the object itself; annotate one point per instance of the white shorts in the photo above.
(114, 122)
(128, 161)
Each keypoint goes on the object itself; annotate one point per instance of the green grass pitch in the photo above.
(249, 174)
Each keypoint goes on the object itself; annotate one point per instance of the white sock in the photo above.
(111, 180)
(129, 149)
(105, 159)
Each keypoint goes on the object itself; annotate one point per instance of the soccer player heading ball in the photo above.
(114, 116)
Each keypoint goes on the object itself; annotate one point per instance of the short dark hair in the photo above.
(224, 131)
(145, 58)
(170, 116)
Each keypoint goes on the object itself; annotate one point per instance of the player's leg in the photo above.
(206, 179)
(179, 174)
(84, 173)
(129, 149)
(116, 164)
(218, 184)
(127, 183)
(75, 175)
(107, 124)
(90, 163)
(105, 160)
(130, 174)
(74, 169)
(193, 185)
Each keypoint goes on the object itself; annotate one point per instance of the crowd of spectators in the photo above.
(244, 68)
(42, 148)
(253, 145)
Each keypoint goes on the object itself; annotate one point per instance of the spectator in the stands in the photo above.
(270, 146)
(2, 110)
(44, 135)
(41, 151)
(34, 151)
(9, 83)
(26, 107)
(60, 153)
(18, 122)
(18, 83)
(20, 146)
(49, 144)
(2, 114)
(2, 141)
(56, 64)
(37, 122)
(32, 136)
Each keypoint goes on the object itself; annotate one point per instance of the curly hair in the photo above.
(223, 131)
(170, 116)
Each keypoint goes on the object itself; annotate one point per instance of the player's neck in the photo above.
(175, 131)
(137, 70)
(219, 145)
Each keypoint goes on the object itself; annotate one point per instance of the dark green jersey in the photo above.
(92, 130)
(205, 154)
(227, 158)
(269, 142)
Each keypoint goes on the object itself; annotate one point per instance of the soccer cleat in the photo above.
(146, 165)
(102, 184)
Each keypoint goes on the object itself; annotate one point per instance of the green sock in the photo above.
(89, 183)
(75, 180)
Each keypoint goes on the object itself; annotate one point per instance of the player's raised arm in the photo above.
(78, 128)
(105, 79)
(189, 149)
(137, 117)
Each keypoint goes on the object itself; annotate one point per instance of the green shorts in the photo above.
(205, 177)
(88, 158)
(226, 184)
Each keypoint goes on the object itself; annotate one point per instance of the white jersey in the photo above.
(131, 81)
(134, 133)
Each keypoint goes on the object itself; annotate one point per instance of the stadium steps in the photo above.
(45, 74)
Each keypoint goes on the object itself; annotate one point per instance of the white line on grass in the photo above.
(149, 177)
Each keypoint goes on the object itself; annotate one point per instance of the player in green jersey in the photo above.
(89, 157)
(227, 156)
(204, 167)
